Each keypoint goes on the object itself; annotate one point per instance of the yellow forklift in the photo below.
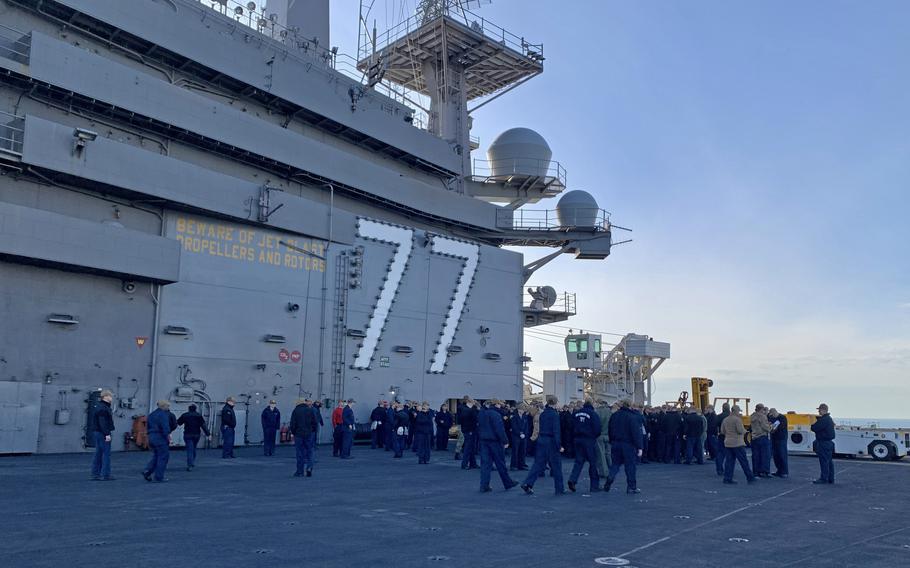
(701, 398)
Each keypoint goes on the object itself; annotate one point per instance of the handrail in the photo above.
(492, 169)
(306, 50)
(16, 44)
(565, 303)
(12, 132)
(548, 220)
(472, 21)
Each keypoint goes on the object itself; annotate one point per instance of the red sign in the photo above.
(295, 356)
(140, 341)
(283, 355)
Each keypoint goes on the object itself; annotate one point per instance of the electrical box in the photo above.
(62, 416)
(129, 403)
(566, 385)
(184, 394)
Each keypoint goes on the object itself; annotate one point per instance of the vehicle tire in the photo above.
(881, 451)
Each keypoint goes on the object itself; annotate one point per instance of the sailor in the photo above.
(587, 427)
(317, 411)
(638, 411)
(423, 424)
(443, 421)
(389, 424)
(604, 412)
(711, 432)
(761, 443)
(733, 433)
(493, 441)
(720, 455)
(506, 414)
(779, 436)
(336, 429)
(459, 441)
(520, 432)
(626, 445)
(660, 436)
(348, 425)
(193, 427)
(468, 421)
(400, 425)
(102, 428)
(824, 444)
(534, 411)
(303, 427)
(565, 429)
(673, 433)
(651, 418)
(694, 429)
(160, 425)
(271, 423)
(547, 450)
(413, 408)
(228, 424)
(377, 418)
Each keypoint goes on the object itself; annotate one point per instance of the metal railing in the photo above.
(469, 19)
(14, 44)
(308, 50)
(565, 303)
(553, 220)
(497, 170)
(12, 133)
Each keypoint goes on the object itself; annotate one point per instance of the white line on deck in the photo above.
(724, 516)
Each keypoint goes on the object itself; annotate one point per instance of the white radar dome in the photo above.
(519, 151)
(578, 209)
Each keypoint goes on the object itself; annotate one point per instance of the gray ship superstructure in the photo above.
(205, 199)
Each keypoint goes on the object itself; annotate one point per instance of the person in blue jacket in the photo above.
(228, 424)
(389, 425)
(193, 427)
(586, 426)
(160, 425)
(547, 450)
(271, 423)
(779, 436)
(377, 419)
(625, 446)
(521, 431)
(303, 428)
(467, 419)
(347, 429)
(423, 424)
(493, 441)
(443, 420)
(824, 444)
(400, 423)
(102, 429)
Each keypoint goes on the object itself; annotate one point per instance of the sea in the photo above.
(877, 422)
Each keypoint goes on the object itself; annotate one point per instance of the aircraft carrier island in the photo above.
(203, 200)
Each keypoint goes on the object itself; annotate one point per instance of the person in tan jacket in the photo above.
(761, 441)
(733, 432)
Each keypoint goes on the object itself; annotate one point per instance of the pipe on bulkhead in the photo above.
(325, 275)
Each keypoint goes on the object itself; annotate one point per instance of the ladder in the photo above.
(339, 325)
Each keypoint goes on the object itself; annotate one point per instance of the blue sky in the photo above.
(761, 153)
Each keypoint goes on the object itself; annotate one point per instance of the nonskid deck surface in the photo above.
(377, 511)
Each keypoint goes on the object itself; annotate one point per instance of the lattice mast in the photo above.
(441, 58)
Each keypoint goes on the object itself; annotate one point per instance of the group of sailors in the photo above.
(601, 436)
